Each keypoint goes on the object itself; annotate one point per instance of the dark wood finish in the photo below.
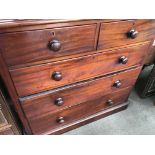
(55, 45)
(57, 76)
(123, 60)
(116, 33)
(59, 101)
(43, 103)
(29, 46)
(61, 74)
(25, 25)
(132, 34)
(61, 120)
(89, 119)
(117, 84)
(110, 102)
(51, 121)
(35, 79)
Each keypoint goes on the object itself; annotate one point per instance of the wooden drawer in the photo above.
(54, 121)
(62, 98)
(39, 78)
(117, 33)
(30, 46)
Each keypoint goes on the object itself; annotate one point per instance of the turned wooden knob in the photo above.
(123, 60)
(117, 84)
(132, 34)
(110, 102)
(55, 45)
(59, 101)
(57, 76)
(60, 120)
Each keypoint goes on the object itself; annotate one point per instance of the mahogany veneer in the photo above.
(42, 103)
(62, 74)
(39, 78)
(30, 46)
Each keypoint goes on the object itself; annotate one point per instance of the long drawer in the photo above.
(50, 121)
(30, 46)
(59, 99)
(40, 78)
(125, 32)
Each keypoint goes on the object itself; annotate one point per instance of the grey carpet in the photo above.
(138, 119)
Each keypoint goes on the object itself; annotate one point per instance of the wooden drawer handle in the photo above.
(123, 60)
(59, 101)
(132, 34)
(57, 76)
(60, 120)
(55, 45)
(110, 102)
(117, 84)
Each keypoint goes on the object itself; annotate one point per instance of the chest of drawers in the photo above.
(62, 74)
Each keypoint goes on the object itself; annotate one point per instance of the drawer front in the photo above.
(39, 78)
(59, 99)
(48, 122)
(118, 33)
(30, 46)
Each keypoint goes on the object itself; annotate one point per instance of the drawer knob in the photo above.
(110, 102)
(60, 120)
(123, 60)
(132, 34)
(117, 84)
(55, 45)
(57, 76)
(59, 101)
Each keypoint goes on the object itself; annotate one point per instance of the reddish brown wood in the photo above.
(42, 103)
(115, 34)
(24, 25)
(89, 119)
(49, 121)
(39, 78)
(30, 46)
(90, 50)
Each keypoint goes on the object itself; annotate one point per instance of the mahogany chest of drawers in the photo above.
(62, 74)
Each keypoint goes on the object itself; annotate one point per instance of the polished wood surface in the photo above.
(25, 25)
(10, 23)
(61, 74)
(115, 34)
(39, 78)
(30, 46)
(75, 94)
(50, 121)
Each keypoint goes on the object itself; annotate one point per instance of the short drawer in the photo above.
(30, 46)
(51, 122)
(58, 99)
(40, 78)
(125, 32)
